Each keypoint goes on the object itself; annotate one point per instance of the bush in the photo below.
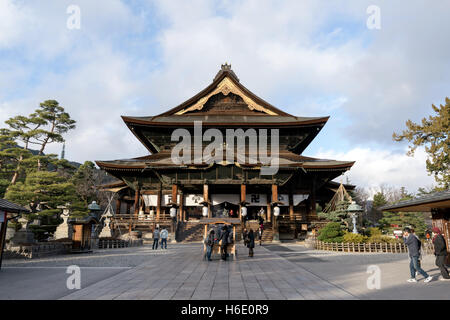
(354, 238)
(382, 239)
(332, 232)
(373, 232)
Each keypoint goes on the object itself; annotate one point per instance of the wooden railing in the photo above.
(116, 243)
(143, 219)
(427, 247)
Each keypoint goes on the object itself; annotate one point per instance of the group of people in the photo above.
(414, 251)
(224, 237)
(157, 235)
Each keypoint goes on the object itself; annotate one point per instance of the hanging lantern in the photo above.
(173, 212)
(243, 211)
(205, 211)
(276, 211)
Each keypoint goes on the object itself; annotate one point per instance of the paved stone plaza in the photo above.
(287, 271)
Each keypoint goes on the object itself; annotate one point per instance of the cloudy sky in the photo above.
(309, 58)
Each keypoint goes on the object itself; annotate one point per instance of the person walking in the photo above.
(209, 241)
(419, 263)
(245, 236)
(164, 235)
(251, 242)
(260, 233)
(440, 251)
(414, 251)
(224, 237)
(155, 238)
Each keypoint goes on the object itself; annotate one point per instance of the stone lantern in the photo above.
(94, 209)
(353, 209)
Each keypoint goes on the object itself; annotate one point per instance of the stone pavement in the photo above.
(287, 271)
(349, 272)
(185, 275)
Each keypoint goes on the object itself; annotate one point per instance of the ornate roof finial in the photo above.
(226, 68)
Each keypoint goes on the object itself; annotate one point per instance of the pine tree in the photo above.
(340, 214)
(44, 191)
(433, 133)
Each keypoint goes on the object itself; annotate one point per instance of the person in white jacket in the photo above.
(164, 235)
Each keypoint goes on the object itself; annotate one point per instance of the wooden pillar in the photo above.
(181, 208)
(313, 198)
(274, 193)
(291, 206)
(158, 205)
(174, 193)
(243, 198)
(118, 206)
(276, 236)
(136, 201)
(269, 209)
(206, 198)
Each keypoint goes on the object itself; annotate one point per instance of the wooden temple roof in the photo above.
(225, 120)
(163, 160)
(225, 103)
(240, 107)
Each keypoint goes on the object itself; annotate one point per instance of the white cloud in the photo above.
(375, 167)
(309, 58)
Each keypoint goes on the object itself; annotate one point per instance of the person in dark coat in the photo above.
(245, 236)
(251, 242)
(412, 243)
(224, 238)
(440, 251)
(209, 241)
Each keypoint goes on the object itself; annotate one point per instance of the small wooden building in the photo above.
(82, 233)
(6, 210)
(437, 203)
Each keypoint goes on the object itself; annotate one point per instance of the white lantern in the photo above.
(205, 211)
(276, 211)
(173, 212)
(243, 211)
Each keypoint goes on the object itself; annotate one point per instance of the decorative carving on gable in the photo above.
(225, 87)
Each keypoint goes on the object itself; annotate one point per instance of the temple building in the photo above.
(161, 188)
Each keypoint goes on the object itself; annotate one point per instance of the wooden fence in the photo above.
(427, 247)
(36, 250)
(116, 243)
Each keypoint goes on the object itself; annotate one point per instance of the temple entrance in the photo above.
(193, 213)
(254, 212)
(225, 210)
